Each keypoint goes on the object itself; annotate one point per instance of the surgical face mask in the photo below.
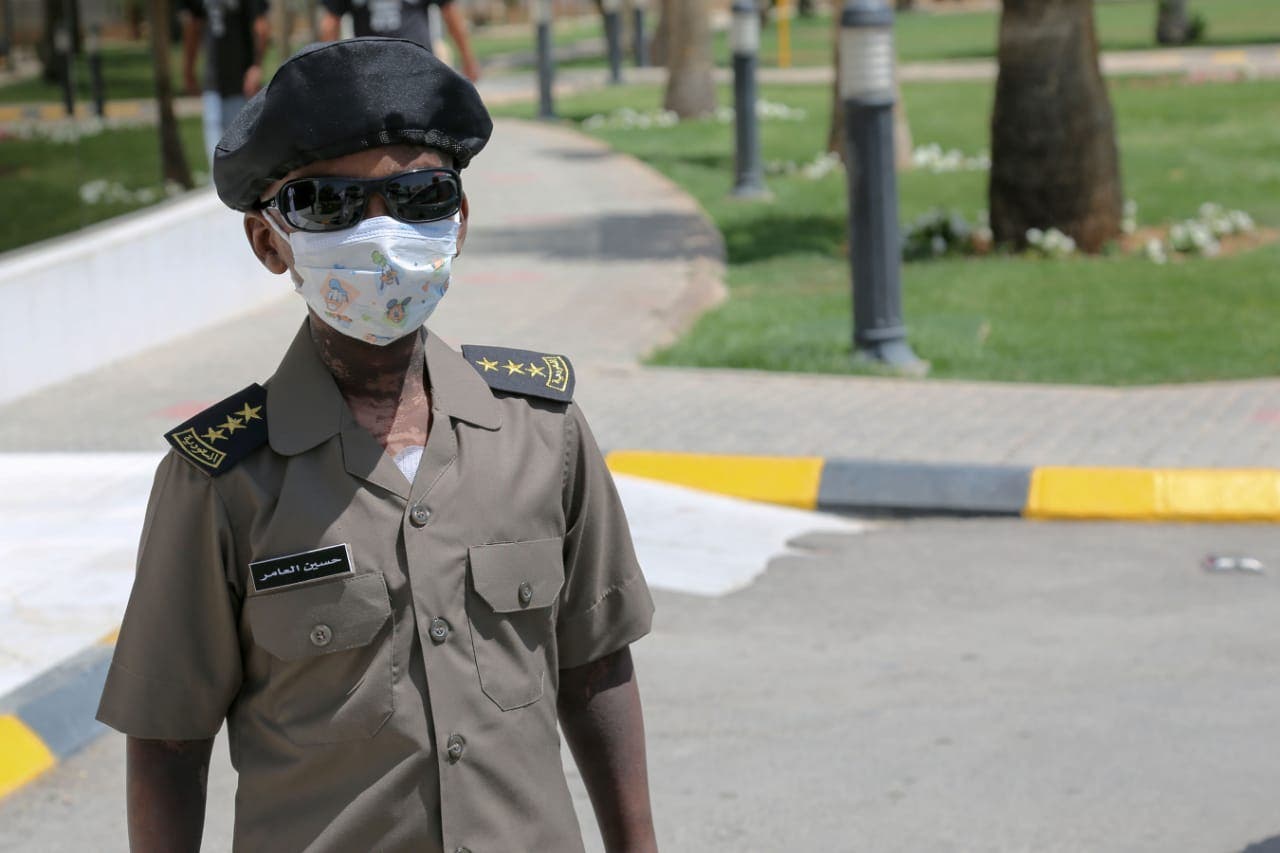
(378, 280)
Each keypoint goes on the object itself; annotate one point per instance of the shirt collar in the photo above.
(305, 407)
(457, 390)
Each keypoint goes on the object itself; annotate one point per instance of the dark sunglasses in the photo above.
(331, 203)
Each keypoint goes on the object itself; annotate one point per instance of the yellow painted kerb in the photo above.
(23, 756)
(1184, 494)
(788, 480)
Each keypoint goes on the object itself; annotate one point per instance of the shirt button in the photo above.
(526, 593)
(321, 635)
(457, 743)
(418, 516)
(462, 850)
(439, 630)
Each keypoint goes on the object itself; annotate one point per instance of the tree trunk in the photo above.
(173, 160)
(691, 92)
(1173, 25)
(1054, 162)
(902, 145)
(659, 42)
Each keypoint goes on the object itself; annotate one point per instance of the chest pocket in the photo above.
(332, 657)
(510, 605)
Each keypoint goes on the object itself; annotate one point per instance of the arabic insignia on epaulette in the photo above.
(223, 434)
(519, 371)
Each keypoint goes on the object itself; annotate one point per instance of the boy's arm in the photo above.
(456, 23)
(599, 709)
(166, 787)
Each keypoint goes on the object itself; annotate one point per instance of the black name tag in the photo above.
(300, 568)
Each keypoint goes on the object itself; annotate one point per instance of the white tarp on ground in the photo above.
(69, 527)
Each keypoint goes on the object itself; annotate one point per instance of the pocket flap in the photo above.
(320, 618)
(516, 576)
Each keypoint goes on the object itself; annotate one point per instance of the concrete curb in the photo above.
(51, 717)
(924, 488)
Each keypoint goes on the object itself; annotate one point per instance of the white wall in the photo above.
(76, 303)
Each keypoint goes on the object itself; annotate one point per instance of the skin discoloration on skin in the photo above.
(385, 387)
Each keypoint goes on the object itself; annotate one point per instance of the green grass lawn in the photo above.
(126, 71)
(42, 179)
(491, 42)
(1122, 25)
(1114, 320)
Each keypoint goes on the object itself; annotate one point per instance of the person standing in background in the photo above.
(235, 35)
(406, 19)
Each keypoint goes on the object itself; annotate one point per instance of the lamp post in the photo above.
(638, 45)
(744, 36)
(62, 47)
(96, 85)
(546, 63)
(613, 37)
(6, 41)
(867, 94)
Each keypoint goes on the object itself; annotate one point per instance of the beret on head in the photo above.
(333, 99)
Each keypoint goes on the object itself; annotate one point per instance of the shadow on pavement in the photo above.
(1267, 845)
(615, 237)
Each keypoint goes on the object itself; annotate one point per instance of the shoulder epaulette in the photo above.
(520, 371)
(223, 434)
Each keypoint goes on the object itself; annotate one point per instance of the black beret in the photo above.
(340, 97)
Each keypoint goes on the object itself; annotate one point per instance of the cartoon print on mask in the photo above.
(337, 296)
(395, 310)
(389, 276)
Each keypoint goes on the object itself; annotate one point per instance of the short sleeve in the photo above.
(605, 603)
(176, 667)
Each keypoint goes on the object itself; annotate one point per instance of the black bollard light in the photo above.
(639, 46)
(6, 40)
(96, 85)
(867, 95)
(62, 46)
(546, 62)
(613, 38)
(744, 39)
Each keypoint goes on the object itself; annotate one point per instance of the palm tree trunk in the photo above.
(691, 92)
(173, 160)
(1054, 162)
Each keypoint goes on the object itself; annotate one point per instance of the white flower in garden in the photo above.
(92, 192)
(1154, 251)
(1035, 236)
(1242, 222)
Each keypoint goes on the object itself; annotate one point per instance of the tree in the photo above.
(1054, 162)
(1173, 24)
(691, 91)
(173, 161)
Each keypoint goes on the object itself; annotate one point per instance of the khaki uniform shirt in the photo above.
(409, 704)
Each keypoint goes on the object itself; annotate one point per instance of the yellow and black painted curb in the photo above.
(923, 488)
(48, 719)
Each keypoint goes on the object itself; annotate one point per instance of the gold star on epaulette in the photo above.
(214, 434)
(514, 367)
(487, 364)
(534, 370)
(250, 413)
(232, 424)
